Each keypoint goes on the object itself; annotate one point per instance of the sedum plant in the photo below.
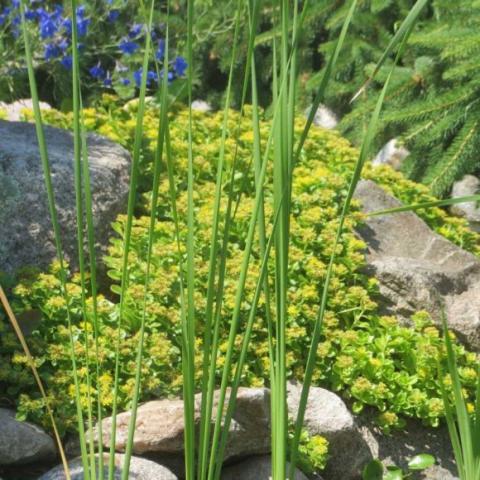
(266, 246)
(384, 374)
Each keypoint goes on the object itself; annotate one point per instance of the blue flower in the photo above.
(180, 65)
(160, 53)
(137, 76)
(135, 30)
(52, 51)
(128, 47)
(30, 14)
(82, 26)
(67, 62)
(63, 44)
(113, 15)
(67, 25)
(48, 27)
(151, 75)
(125, 81)
(81, 11)
(3, 17)
(97, 71)
(57, 13)
(16, 3)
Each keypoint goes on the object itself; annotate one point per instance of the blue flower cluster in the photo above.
(55, 29)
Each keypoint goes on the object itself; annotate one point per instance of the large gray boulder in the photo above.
(26, 235)
(140, 469)
(467, 186)
(160, 425)
(23, 442)
(255, 468)
(327, 415)
(417, 268)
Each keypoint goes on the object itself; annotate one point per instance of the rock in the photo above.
(26, 236)
(324, 117)
(140, 469)
(391, 154)
(14, 111)
(254, 468)
(397, 447)
(438, 473)
(201, 106)
(160, 425)
(418, 269)
(468, 185)
(23, 442)
(327, 415)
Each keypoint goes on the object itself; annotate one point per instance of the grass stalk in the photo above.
(56, 228)
(188, 329)
(127, 235)
(425, 205)
(79, 153)
(464, 429)
(153, 220)
(209, 360)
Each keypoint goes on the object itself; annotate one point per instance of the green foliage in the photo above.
(312, 452)
(374, 470)
(432, 101)
(372, 360)
(463, 417)
(40, 293)
(372, 28)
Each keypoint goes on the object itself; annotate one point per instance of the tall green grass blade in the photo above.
(365, 147)
(210, 353)
(188, 350)
(56, 227)
(78, 145)
(215, 461)
(257, 154)
(234, 324)
(449, 415)
(424, 205)
(31, 362)
(153, 220)
(463, 429)
(93, 285)
(245, 344)
(462, 418)
(282, 159)
(127, 234)
(253, 11)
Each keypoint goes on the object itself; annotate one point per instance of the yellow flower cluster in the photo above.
(357, 353)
